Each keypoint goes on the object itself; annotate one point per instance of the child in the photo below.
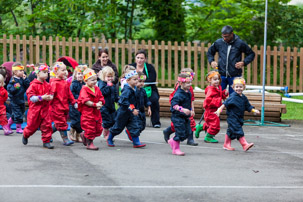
(110, 93)
(59, 106)
(126, 68)
(212, 102)
(127, 114)
(3, 98)
(171, 129)
(142, 101)
(90, 101)
(236, 105)
(74, 114)
(16, 89)
(38, 95)
(181, 111)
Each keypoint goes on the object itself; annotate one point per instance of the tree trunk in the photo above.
(126, 18)
(15, 19)
(131, 19)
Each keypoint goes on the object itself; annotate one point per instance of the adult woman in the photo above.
(151, 76)
(105, 61)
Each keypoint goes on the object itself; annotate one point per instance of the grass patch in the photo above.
(294, 110)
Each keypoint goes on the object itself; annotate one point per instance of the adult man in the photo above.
(230, 48)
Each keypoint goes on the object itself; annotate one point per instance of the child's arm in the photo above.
(26, 82)
(192, 109)
(3, 97)
(225, 94)
(12, 88)
(212, 100)
(71, 98)
(105, 88)
(176, 105)
(101, 100)
(147, 103)
(219, 110)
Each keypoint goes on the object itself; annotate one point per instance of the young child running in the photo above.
(3, 98)
(38, 95)
(59, 106)
(212, 102)
(171, 129)
(110, 93)
(236, 105)
(127, 114)
(90, 101)
(16, 89)
(181, 111)
(74, 114)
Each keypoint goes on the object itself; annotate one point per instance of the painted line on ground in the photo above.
(149, 187)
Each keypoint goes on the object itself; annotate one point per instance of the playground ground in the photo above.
(271, 171)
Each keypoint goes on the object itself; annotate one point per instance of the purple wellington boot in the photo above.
(19, 128)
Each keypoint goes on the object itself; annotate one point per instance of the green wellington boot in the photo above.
(199, 128)
(210, 138)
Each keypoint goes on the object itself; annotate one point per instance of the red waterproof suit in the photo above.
(3, 98)
(192, 120)
(38, 113)
(59, 106)
(91, 120)
(212, 102)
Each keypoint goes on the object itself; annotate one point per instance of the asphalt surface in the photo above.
(271, 171)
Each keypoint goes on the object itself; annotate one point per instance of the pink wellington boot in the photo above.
(175, 145)
(9, 123)
(6, 130)
(227, 144)
(19, 128)
(244, 144)
(105, 133)
(171, 144)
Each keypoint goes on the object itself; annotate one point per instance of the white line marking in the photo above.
(150, 187)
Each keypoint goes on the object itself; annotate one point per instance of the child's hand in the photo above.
(99, 105)
(109, 83)
(192, 113)
(186, 111)
(45, 97)
(135, 112)
(255, 111)
(226, 92)
(218, 112)
(149, 111)
(51, 97)
(24, 76)
(76, 105)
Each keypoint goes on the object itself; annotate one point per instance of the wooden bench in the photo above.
(273, 105)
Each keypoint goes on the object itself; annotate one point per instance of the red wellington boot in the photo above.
(90, 145)
(227, 144)
(246, 146)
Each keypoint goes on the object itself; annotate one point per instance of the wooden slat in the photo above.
(208, 65)
(136, 46)
(90, 54)
(182, 55)
(11, 48)
(196, 64)
(83, 46)
(162, 63)
(142, 45)
(31, 50)
(248, 70)
(18, 48)
(117, 52)
(50, 50)
(63, 47)
(4, 48)
(37, 50)
(275, 72)
(156, 58)
(255, 66)
(149, 52)
(169, 65)
(301, 70)
(261, 63)
(24, 50)
(268, 67)
(110, 49)
(70, 47)
(96, 49)
(77, 50)
(288, 68)
(176, 70)
(122, 55)
(188, 54)
(294, 70)
(129, 52)
(44, 49)
(202, 65)
(281, 66)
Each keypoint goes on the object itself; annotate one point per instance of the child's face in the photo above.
(238, 88)
(109, 78)
(1, 84)
(62, 73)
(140, 83)
(42, 75)
(186, 85)
(91, 82)
(79, 76)
(133, 81)
(215, 81)
(19, 73)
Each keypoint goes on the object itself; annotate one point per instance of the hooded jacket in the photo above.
(226, 66)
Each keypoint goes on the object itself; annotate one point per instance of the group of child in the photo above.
(90, 99)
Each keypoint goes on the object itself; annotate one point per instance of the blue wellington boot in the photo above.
(137, 143)
(110, 141)
(65, 139)
(167, 132)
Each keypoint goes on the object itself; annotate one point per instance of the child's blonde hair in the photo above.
(126, 69)
(1, 79)
(88, 73)
(211, 74)
(79, 68)
(58, 65)
(107, 70)
(187, 70)
(239, 80)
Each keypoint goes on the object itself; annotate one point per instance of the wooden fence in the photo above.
(284, 66)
